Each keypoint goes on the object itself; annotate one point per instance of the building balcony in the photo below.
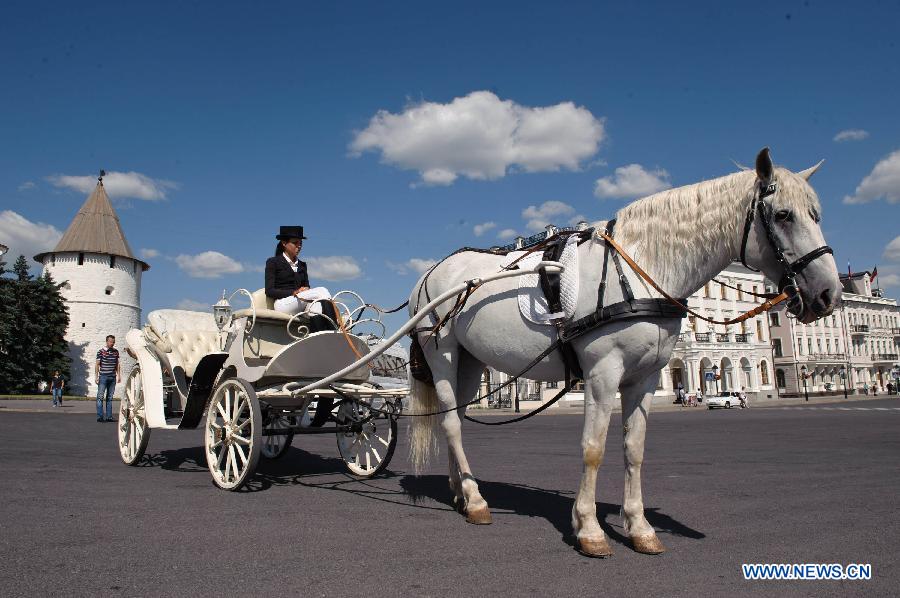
(884, 357)
(702, 337)
(683, 337)
(895, 331)
(721, 338)
(859, 328)
(742, 338)
(835, 357)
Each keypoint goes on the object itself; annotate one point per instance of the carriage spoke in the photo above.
(368, 461)
(239, 408)
(374, 452)
(241, 454)
(241, 440)
(221, 411)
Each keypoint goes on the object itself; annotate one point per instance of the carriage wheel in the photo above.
(233, 433)
(368, 451)
(274, 447)
(133, 431)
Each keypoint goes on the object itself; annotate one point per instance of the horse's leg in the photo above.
(636, 400)
(469, 375)
(599, 394)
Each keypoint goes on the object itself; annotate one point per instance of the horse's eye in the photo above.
(784, 216)
(815, 216)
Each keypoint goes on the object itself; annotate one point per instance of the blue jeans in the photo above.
(107, 386)
(57, 396)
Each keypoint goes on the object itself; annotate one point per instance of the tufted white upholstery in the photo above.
(191, 335)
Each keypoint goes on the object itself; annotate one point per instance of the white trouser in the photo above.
(294, 305)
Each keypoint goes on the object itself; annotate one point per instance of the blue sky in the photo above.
(233, 119)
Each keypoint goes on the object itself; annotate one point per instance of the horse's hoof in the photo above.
(598, 549)
(648, 545)
(480, 516)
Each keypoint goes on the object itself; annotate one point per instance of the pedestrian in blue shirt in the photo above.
(107, 373)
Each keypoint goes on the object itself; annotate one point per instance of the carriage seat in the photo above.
(265, 309)
(188, 336)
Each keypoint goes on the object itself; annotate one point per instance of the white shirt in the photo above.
(293, 264)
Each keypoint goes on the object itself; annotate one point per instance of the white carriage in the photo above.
(245, 377)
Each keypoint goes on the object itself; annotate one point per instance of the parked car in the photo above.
(725, 400)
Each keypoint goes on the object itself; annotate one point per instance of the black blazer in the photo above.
(281, 280)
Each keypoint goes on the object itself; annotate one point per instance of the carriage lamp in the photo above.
(844, 379)
(222, 312)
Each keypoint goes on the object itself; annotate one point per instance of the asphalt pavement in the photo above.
(814, 483)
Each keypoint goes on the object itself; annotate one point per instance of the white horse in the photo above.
(683, 238)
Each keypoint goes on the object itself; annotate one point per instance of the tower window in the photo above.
(112, 263)
(52, 259)
(82, 324)
(80, 259)
(108, 290)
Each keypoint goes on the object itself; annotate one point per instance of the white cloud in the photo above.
(539, 217)
(417, 265)
(632, 181)
(209, 264)
(481, 137)
(507, 233)
(148, 253)
(892, 251)
(191, 305)
(484, 227)
(889, 280)
(335, 267)
(882, 183)
(27, 185)
(24, 237)
(118, 185)
(851, 135)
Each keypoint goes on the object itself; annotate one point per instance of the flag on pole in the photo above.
(849, 274)
(874, 273)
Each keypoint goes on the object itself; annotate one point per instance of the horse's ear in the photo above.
(764, 166)
(810, 171)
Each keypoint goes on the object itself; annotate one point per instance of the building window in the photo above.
(809, 346)
(740, 292)
(779, 379)
(774, 320)
(692, 322)
(776, 347)
(706, 290)
(112, 261)
(80, 259)
(723, 293)
(764, 372)
(759, 330)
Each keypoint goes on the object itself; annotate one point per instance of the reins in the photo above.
(762, 307)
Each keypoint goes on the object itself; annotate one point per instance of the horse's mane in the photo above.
(681, 229)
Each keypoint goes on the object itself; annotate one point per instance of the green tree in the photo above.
(33, 322)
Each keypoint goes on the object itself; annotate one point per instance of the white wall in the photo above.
(93, 313)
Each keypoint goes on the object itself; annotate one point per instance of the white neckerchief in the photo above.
(293, 264)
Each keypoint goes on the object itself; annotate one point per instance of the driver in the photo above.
(286, 279)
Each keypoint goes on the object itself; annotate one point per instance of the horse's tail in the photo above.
(423, 399)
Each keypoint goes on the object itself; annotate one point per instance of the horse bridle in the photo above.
(788, 282)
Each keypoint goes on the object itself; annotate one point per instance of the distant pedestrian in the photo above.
(742, 396)
(699, 396)
(866, 387)
(107, 373)
(57, 383)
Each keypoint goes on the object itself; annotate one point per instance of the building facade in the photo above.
(101, 283)
(856, 348)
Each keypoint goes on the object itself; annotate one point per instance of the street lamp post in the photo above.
(716, 377)
(844, 379)
(803, 373)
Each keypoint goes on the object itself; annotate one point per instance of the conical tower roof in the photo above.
(95, 229)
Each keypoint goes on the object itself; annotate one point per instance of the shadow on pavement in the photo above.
(553, 505)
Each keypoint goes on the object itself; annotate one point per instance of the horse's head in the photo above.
(783, 239)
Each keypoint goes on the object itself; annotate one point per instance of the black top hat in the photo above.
(290, 232)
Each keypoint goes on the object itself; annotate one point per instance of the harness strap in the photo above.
(636, 308)
(762, 307)
(568, 386)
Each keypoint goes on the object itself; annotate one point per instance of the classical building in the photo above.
(101, 285)
(854, 348)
